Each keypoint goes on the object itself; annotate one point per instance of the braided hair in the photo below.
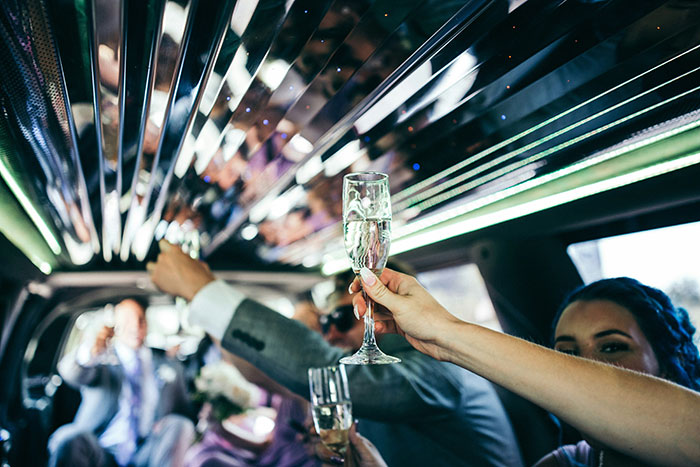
(667, 328)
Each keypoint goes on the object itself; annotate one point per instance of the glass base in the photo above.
(369, 355)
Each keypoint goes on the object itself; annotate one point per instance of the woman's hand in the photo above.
(361, 452)
(407, 309)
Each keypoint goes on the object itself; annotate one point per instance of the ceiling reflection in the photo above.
(213, 123)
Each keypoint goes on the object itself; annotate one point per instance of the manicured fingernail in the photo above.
(337, 460)
(354, 310)
(350, 291)
(367, 276)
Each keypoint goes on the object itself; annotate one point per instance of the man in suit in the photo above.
(134, 400)
(417, 412)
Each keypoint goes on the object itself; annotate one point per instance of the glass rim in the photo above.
(357, 177)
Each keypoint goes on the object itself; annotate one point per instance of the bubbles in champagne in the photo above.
(367, 243)
(332, 422)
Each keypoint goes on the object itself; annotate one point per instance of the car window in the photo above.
(462, 290)
(665, 258)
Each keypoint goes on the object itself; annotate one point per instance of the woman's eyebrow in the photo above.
(564, 338)
(612, 331)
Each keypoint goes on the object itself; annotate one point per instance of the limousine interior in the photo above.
(531, 146)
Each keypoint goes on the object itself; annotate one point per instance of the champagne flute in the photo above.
(367, 231)
(331, 406)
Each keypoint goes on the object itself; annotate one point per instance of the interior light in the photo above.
(111, 225)
(343, 158)
(273, 73)
(45, 268)
(394, 98)
(301, 144)
(242, 13)
(29, 208)
(285, 202)
(309, 170)
(249, 232)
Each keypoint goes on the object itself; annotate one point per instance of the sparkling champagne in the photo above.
(332, 422)
(367, 243)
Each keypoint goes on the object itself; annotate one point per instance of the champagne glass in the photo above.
(367, 229)
(331, 406)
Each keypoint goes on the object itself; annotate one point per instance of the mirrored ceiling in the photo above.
(227, 126)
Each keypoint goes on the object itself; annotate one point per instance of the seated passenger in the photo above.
(130, 403)
(418, 412)
(628, 324)
(628, 416)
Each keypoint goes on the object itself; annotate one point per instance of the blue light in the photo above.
(291, 88)
(306, 11)
(367, 138)
(416, 166)
(247, 109)
(322, 41)
(207, 178)
(338, 69)
(228, 98)
(284, 135)
(266, 121)
(503, 117)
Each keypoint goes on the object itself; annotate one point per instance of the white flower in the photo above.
(223, 379)
(166, 373)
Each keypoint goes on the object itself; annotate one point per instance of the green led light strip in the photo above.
(430, 180)
(459, 190)
(471, 224)
(630, 163)
(30, 209)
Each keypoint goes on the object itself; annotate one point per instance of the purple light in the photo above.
(228, 98)
(266, 121)
(247, 109)
(207, 178)
(284, 135)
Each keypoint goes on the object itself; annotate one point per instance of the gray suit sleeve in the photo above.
(284, 349)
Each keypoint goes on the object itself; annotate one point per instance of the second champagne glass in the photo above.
(331, 406)
(367, 231)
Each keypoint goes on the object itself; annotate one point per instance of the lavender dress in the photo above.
(214, 450)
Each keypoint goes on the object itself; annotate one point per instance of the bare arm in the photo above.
(642, 416)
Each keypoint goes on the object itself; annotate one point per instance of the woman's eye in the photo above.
(611, 347)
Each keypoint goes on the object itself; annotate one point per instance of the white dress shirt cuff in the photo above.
(213, 307)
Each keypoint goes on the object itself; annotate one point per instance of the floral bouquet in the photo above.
(224, 388)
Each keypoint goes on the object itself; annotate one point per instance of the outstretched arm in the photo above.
(284, 349)
(642, 416)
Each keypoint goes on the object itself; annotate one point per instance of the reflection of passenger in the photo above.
(128, 412)
(419, 412)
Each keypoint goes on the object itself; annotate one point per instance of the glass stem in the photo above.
(368, 340)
